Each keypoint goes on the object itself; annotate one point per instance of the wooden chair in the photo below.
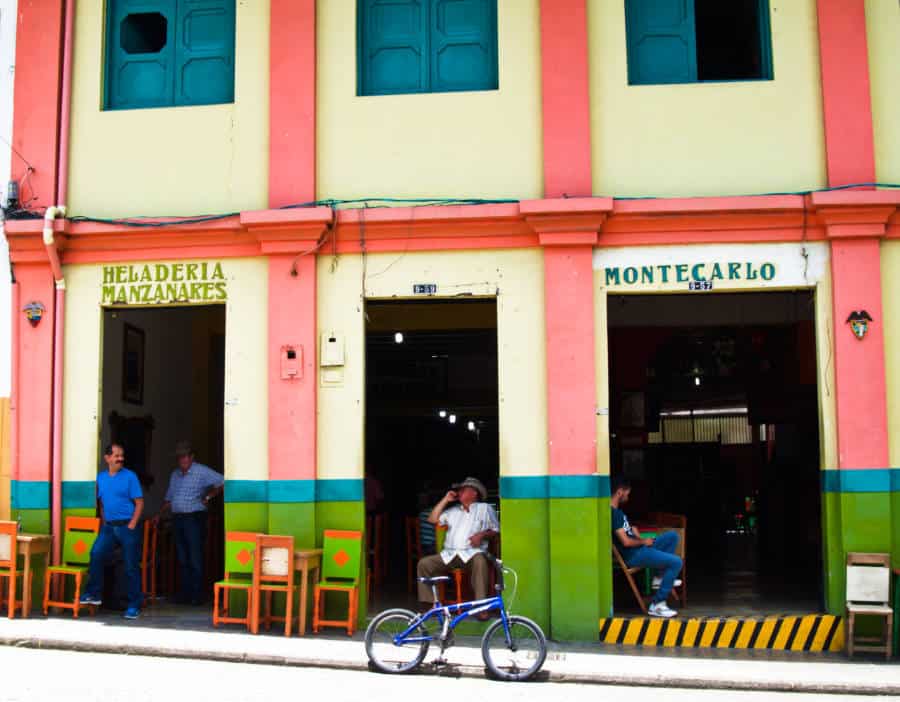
(80, 535)
(440, 535)
(375, 537)
(629, 576)
(240, 558)
(273, 571)
(675, 522)
(341, 561)
(148, 560)
(9, 574)
(869, 595)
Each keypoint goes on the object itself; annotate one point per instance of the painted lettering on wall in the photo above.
(689, 272)
(154, 283)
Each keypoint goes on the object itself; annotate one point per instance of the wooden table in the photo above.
(306, 560)
(30, 545)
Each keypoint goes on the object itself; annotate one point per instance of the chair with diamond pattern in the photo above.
(80, 535)
(340, 573)
(240, 554)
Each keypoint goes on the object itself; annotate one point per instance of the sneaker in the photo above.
(657, 581)
(87, 599)
(132, 613)
(661, 609)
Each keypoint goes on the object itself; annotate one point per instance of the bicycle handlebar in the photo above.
(498, 566)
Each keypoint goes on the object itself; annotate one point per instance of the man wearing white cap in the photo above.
(470, 526)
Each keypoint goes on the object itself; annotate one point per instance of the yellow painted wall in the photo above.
(519, 277)
(890, 293)
(883, 35)
(170, 161)
(711, 138)
(246, 371)
(484, 144)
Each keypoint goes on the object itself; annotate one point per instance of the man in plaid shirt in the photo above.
(191, 486)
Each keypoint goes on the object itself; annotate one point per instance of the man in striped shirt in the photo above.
(191, 486)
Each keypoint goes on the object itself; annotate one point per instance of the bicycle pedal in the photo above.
(438, 662)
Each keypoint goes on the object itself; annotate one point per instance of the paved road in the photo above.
(34, 676)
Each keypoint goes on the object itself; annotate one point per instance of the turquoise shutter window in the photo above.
(393, 46)
(204, 52)
(140, 53)
(662, 45)
(464, 45)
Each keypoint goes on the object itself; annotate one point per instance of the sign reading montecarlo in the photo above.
(706, 267)
(154, 283)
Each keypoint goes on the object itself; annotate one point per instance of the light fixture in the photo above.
(452, 419)
(442, 414)
(471, 426)
(697, 380)
(398, 337)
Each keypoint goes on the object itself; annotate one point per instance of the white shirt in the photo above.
(461, 525)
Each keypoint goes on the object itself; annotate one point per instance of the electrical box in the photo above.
(332, 350)
(291, 362)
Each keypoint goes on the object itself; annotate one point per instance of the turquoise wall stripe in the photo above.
(347, 490)
(29, 494)
(861, 480)
(576, 486)
(525, 487)
(246, 490)
(79, 494)
(284, 491)
(294, 491)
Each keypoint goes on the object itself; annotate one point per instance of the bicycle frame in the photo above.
(445, 615)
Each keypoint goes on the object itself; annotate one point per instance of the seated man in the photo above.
(638, 552)
(470, 524)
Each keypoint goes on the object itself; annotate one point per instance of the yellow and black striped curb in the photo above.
(806, 632)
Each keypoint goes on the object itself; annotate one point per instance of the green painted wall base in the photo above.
(525, 548)
(579, 555)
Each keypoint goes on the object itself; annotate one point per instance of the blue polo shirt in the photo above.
(117, 494)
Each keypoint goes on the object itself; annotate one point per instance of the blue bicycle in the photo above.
(513, 647)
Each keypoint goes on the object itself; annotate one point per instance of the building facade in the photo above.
(284, 164)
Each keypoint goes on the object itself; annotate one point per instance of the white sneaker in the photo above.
(661, 609)
(657, 581)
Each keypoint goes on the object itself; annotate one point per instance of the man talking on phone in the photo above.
(470, 526)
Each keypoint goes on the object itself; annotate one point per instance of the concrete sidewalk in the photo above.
(192, 637)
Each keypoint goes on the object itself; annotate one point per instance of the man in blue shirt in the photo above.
(121, 504)
(638, 552)
(191, 486)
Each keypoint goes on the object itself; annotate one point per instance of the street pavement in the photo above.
(31, 675)
(190, 636)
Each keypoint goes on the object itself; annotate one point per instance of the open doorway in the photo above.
(431, 419)
(163, 381)
(714, 416)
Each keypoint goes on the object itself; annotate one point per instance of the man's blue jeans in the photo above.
(190, 538)
(660, 556)
(107, 540)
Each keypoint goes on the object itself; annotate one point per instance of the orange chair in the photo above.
(375, 533)
(440, 534)
(273, 571)
(240, 557)
(80, 535)
(340, 573)
(8, 571)
(148, 560)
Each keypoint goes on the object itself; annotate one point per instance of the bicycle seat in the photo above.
(435, 579)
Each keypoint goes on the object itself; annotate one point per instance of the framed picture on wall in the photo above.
(133, 365)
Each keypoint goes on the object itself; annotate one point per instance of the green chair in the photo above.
(340, 573)
(80, 535)
(240, 555)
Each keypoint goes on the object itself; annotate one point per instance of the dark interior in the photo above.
(714, 416)
(729, 41)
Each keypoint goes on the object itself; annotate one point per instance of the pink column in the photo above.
(292, 403)
(32, 382)
(292, 102)
(566, 99)
(846, 102)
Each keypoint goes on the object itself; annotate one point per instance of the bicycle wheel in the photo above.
(388, 656)
(520, 660)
